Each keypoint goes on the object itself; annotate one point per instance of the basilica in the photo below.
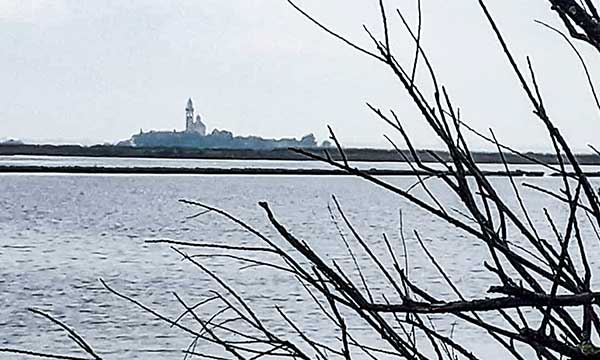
(191, 125)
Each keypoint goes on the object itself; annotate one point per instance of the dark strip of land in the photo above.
(231, 171)
(353, 154)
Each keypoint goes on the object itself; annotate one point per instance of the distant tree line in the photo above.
(218, 139)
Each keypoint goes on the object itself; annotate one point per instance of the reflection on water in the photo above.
(59, 234)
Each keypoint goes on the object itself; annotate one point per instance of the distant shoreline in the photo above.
(283, 154)
(234, 171)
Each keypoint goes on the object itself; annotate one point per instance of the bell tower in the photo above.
(189, 116)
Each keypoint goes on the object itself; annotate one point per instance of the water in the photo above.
(60, 233)
(49, 161)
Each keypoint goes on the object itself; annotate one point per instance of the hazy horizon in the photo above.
(95, 72)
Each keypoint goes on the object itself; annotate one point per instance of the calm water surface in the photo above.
(27, 160)
(60, 234)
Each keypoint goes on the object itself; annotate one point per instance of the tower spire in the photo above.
(189, 116)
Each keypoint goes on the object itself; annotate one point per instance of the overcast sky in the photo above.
(91, 71)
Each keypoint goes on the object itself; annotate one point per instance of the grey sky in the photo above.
(99, 70)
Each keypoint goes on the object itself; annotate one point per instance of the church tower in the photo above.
(189, 116)
(192, 126)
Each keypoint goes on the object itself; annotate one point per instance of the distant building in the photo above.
(191, 125)
(195, 136)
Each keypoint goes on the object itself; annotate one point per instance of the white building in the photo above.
(191, 125)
